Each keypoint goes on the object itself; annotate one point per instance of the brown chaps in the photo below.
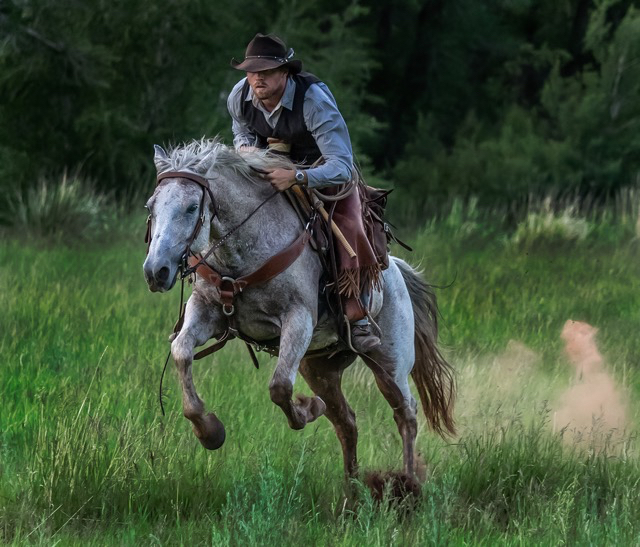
(358, 273)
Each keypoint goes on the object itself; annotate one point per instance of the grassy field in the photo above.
(87, 459)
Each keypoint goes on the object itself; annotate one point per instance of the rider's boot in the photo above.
(362, 339)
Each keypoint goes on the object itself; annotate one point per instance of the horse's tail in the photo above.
(433, 376)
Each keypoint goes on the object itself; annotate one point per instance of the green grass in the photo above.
(87, 459)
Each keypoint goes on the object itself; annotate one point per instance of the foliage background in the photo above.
(496, 99)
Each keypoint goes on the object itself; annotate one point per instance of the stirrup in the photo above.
(366, 340)
(374, 325)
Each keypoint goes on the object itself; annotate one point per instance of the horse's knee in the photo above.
(281, 392)
(182, 352)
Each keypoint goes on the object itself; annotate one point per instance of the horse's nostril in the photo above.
(162, 275)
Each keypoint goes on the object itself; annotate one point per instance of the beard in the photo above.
(263, 92)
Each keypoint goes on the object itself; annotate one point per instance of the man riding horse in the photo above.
(279, 107)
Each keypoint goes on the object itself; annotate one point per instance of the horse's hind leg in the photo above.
(324, 377)
(392, 362)
(397, 393)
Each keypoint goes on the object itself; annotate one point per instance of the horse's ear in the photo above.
(160, 154)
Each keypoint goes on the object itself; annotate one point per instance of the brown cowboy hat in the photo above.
(267, 51)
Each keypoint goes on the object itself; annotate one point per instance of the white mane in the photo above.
(210, 155)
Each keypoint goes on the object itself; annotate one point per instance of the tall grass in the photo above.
(86, 458)
(67, 210)
(548, 219)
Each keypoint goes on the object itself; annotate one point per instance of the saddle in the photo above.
(352, 239)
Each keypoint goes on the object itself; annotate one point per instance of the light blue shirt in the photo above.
(323, 120)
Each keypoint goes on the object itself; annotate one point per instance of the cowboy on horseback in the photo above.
(281, 108)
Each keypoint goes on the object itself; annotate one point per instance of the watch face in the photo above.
(300, 176)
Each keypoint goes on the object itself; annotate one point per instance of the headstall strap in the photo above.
(183, 175)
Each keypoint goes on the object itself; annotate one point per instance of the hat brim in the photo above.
(258, 65)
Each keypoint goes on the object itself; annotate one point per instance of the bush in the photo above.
(69, 210)
(550, 226)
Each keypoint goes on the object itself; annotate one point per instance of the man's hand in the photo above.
(281, 179)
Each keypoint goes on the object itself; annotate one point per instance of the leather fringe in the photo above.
(351, 281)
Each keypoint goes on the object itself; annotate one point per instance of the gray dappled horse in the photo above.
(287, 306)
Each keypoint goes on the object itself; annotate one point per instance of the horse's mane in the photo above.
(205, 156)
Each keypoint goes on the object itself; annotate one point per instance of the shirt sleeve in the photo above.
(242, 135)
(326, 124)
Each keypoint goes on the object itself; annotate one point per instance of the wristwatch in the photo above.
(300, 178)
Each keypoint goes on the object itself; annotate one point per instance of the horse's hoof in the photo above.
(392, 487)
(318, 408)
(313, 407)
(210, 431)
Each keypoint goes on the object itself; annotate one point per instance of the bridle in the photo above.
(200, 181)
(187, 263)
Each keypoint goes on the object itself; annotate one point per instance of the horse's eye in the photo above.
(192, 208)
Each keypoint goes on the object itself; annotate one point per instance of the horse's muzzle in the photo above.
(159, 278)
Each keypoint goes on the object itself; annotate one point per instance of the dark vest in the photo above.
(290, 127)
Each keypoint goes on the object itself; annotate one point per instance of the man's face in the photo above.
(268, 84)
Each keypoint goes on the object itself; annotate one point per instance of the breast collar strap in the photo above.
(229, 287)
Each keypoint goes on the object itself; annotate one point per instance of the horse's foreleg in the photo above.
(295, 336)
(199, 326)
(324, 377)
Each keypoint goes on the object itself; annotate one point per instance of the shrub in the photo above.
(68, 210)
(627, 209)
(551, 226)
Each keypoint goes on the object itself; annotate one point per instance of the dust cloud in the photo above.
(594, 408)
(590, 410)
